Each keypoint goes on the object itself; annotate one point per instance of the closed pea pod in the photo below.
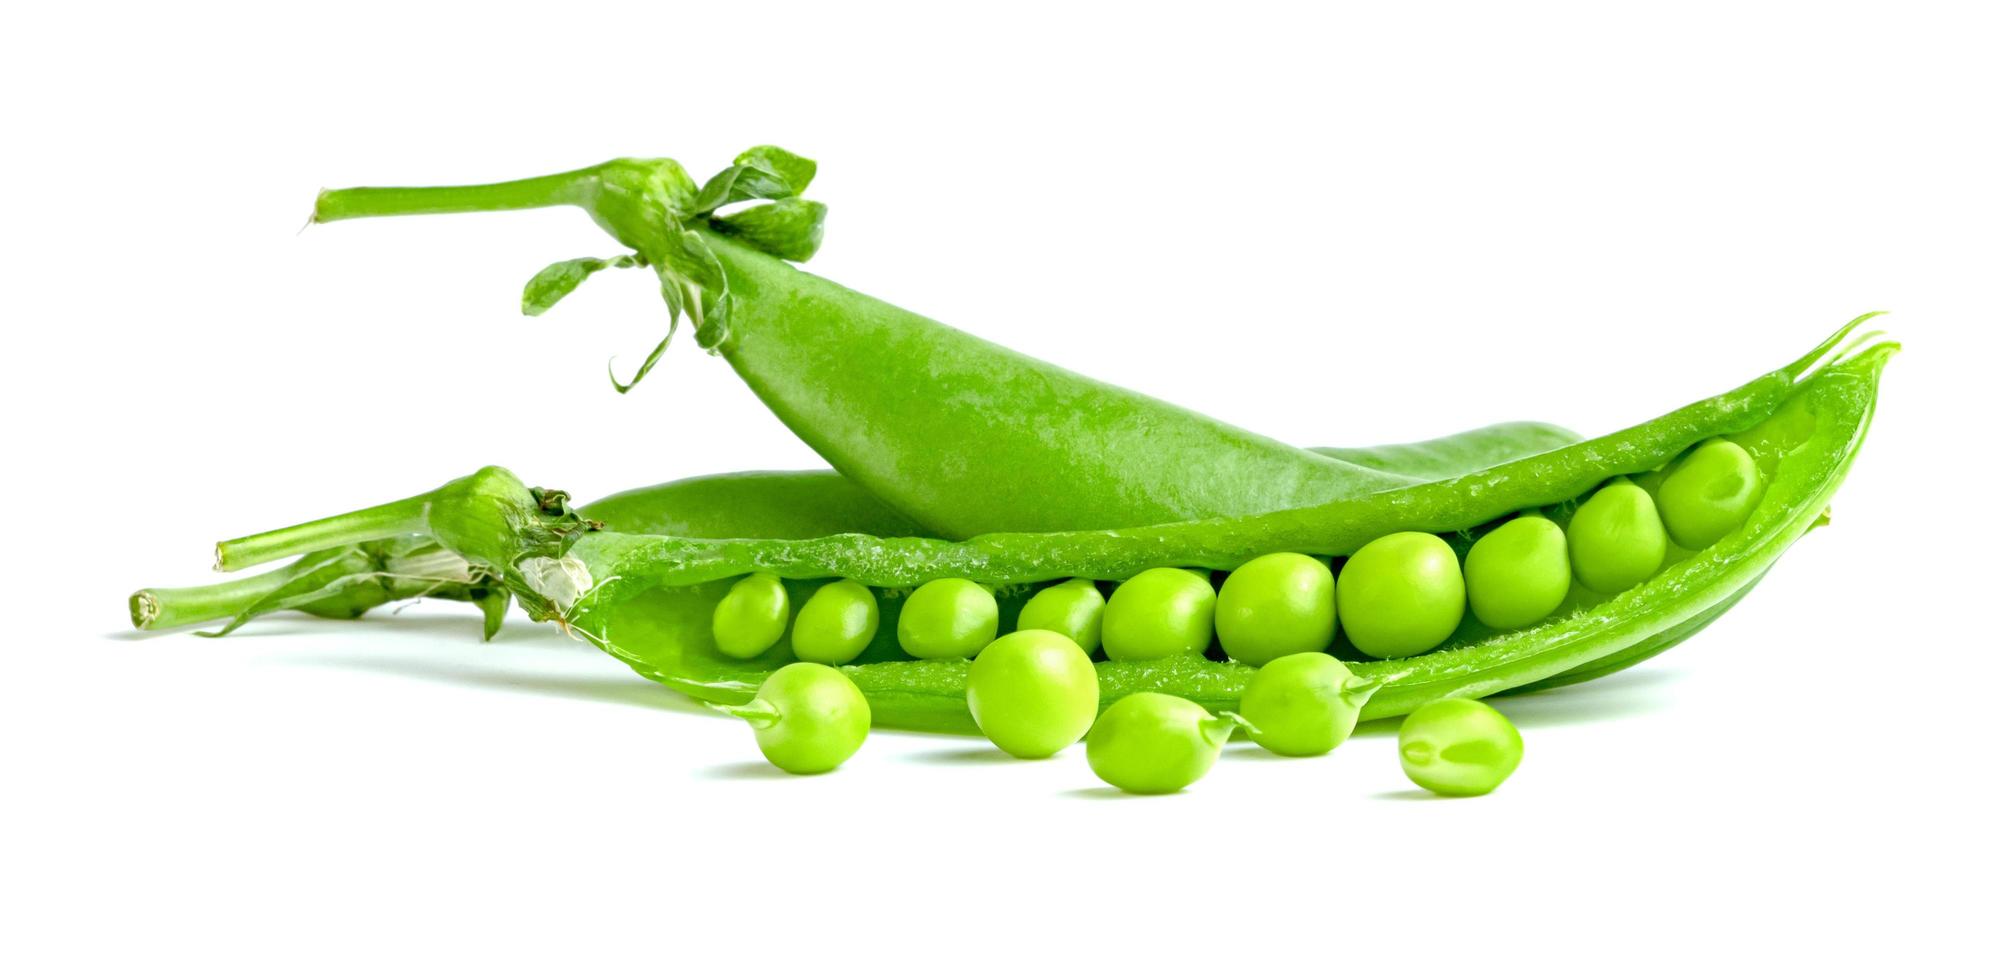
(1156, 743)
(1616, 538)
(947, 619)
(836, 624)
(1073, 608)
(1458, 747)
(1159, 613)
(1033, 692)
(1518, 573)
(1274, 605)
(1401, 594)
(1708, 494)
(1304, 703)
(752, 617)
(807, 718)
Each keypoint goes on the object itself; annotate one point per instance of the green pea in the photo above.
(947, 619)
(835, 624)
(1156, 743)
(751, 617)
(1710, 493)
(1072, 608)
(1616, 539)
(1457, 747)
(1274, 605)
(808, 718)
(1162, 612)
(1401, 594)
(1518, 573)
(1304, 703)
(1033, 692)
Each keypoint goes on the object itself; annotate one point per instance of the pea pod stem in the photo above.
(571, 187)
(406, 516)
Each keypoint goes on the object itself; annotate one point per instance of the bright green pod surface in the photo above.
(1616, 538)
(648, 599)
(1518, 573)
(1458, 747)
(1708, 494)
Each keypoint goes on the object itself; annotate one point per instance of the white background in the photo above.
(1326, 226)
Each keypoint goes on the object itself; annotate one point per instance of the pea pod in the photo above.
(958, 434)
(648, 599)
(343, 583)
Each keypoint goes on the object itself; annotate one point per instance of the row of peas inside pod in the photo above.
(1034, 691)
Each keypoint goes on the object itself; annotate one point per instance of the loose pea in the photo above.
(1072, 608)
(1709, 493)
(836, 624)
(1401, 594)
(1457, 747)
(1518, 573)
(1616, 539)
(1274, 605)
(807, 718)
(1162, 612)
(1156, 743)
(1033, 692)
(751, 616)
(947, 619)
(1304, 703)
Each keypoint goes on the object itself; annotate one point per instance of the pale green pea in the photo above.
(1072, 608)
(751, 617)
(1457, 747)
(1162, 612)
(1616, 538)
(1518, 573)
(1304, 703)
(1709, 494)
(1401, 594)
(807, 718)
(1156, 743)
(947, 619)
(835, 624)
(1274, 605)
(1033, 692)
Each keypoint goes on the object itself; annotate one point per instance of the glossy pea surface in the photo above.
(1162, 612)
(1401, 594)
(836, 624)
(1304, 704)
(1155, 743)
(1616, 538)
(1275, 605)
(1033, 692)
(1458, 747)
(808, 718)
(947, 619)
(1709, 493)
(751, 617)
(1518, 573)
(1073, 608)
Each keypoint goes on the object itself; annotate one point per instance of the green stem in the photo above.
(572, 187)
(165, 609)
(408, 516)
(758, 712)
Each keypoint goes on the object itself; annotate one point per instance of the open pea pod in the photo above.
(648, 599)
